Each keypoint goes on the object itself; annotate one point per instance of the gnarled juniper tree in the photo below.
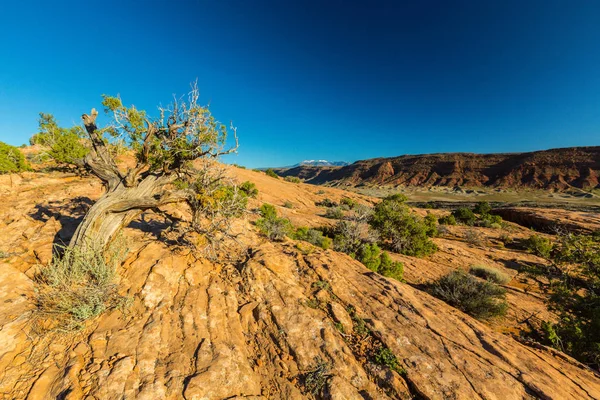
(175, 162)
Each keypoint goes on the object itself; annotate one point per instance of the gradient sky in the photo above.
(336, 80)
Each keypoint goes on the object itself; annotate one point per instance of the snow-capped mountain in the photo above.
(321, 163)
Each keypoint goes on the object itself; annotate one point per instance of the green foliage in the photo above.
(384, 356)
(326, 203)
(391, 269)
(312, 236)
(464, 216)
(483, 207)
(65, 145)
(539, 245)
(272, 226)
(489, 274)
(249, 188)
(401, 230)
(293, 179)
(370, 256)
(350, 203)
(288, 204)
(431, 223)
(447, 220)
(477, 298)
(381, 262)
(79, 285)
(472, 237)
(489, 221)
(272, 173)
(11, 159)
(576, 299)
(334, 213)
(316, 379)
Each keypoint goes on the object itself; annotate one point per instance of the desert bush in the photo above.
(431, 223)
(272, 226)
(384, 356)
(350, 203)
(464, 216)
(391, 269)
(288, 204)
(401, 230)
(65, 145)
(380, 261)
(539, 245)
(320, 191)
(576, 299)
(334, 213)
(480, 299)
(489, 274)
(249, 188)
(272, 173)
(489, 221)
(483, 208)
(79, 286)
(312, 236)
(447, 220)
(472, 237)
(370, 255)
(11, 159)
(326, 203)
(293, 179)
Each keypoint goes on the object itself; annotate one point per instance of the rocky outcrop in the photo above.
(558, 169)
(282, 321)
(551, 220)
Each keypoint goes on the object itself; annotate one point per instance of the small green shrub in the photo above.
(483, 207)
(334, 213)
(11, 159)
(293, 179)
(477, 298)
(431, 223)
(249, 188)
(539, 246)
(312, 236)
(288, 204)
(472, 237)
(381, 262)
(79, 285)
(401, 230)
(316, 379)
(272, 173)
(65, 145)
(350, 203)
(370, 256)
(447, 220)
(391, 269)
(384, 356)
(489, 274)
(272, 226)
(464, 216)
(326, 203)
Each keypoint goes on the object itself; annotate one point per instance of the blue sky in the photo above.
(337, 80)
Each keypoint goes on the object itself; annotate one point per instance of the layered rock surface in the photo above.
(281, 322)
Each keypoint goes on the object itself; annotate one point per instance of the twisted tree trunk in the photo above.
(125, 197)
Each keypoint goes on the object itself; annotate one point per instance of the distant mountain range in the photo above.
(320, 163)
(558, 169)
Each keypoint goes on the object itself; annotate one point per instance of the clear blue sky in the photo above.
(337, 80)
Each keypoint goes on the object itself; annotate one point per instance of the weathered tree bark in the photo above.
(118, 207)
(125, 197)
